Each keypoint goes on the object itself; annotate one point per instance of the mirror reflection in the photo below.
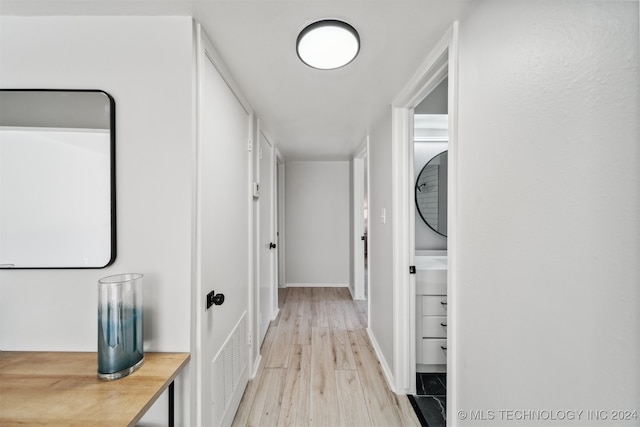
(431, 193)
(57, 179)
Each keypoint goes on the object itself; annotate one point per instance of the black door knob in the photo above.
(213, 298)
(218, 299)
(272, 245)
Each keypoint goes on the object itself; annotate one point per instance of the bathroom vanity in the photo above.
(431, 311)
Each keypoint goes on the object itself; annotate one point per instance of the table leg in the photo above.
(171, 405)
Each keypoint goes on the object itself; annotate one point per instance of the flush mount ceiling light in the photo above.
(328, 44)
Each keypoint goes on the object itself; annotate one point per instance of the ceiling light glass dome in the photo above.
(328, 44)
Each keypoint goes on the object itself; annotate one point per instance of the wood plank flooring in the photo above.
(318, 368)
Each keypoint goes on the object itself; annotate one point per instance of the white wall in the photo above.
(317, 223)
(146, 65)
(380, 240)
(437, 100)
(549, 195)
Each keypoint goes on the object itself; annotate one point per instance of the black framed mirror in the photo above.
(57, 179)
(431, 193)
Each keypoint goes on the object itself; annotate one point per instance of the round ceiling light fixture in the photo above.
(328, 44)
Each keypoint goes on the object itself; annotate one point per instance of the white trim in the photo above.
(254, 294)
(252, 291)
(403, 310)
(282, 258)
(383, 362)
(197, 300)
(358, 228)
(429, 75)
(351, 292)
(218, 63)
(441, 61)
(196, 327)
(256, 367)
(453, 238)
(274, 221)
(316, 285)
(368, 222)
(363, 148)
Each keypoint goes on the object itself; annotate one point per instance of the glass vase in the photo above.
(120, 326)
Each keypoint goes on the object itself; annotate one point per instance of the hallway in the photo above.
(319, 369)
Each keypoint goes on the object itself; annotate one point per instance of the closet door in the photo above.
(223, 256)
(268, 246)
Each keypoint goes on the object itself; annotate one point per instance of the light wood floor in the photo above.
(318, 368)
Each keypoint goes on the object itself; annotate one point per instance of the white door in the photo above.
(268, 245)
(280, 171)
(222, 244)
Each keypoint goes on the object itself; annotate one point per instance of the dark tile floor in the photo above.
(430, 403)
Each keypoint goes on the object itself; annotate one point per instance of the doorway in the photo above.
(268, 242)
(360, 223)
(430, 161)
(440, 64)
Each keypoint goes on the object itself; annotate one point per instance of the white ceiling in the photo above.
(308, 114)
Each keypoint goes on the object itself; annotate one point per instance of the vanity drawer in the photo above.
(432, 326)
(434, 305)
(432, 352)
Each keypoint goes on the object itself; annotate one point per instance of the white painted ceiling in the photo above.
(308, 114)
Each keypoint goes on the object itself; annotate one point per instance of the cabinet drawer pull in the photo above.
(443, 347)
(444, 325)
(443, 302)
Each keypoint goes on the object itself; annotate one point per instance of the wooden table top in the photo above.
(62, 389)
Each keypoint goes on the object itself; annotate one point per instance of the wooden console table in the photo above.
(62, 389)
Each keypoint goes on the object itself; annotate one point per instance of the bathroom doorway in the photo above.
(439, 65)
(430, 155)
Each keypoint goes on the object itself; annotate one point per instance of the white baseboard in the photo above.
(383, 362)
(256, 366)
(353, 297)
(316, 285)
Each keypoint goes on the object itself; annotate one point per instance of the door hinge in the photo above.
(250, 144)
(412, 269)
(250, 339)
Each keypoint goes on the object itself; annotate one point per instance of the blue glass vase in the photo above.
(120, 326)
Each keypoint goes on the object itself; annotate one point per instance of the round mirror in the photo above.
(431, 193)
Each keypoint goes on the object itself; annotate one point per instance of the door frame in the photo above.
(442, 59)
(280, 218)
(360, 184)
